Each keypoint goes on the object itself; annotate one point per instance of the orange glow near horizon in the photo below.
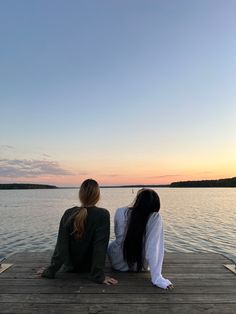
(131, 171)
(119, 180)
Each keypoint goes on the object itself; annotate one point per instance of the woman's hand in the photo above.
(110, 281)
(39, 272)
(170, 287)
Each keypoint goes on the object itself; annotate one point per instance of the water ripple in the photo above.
(194, 219)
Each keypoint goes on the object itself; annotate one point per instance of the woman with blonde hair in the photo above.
(139, 243)
(83, 237)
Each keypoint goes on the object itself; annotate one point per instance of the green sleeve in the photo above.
(100, 243)
(61, 253)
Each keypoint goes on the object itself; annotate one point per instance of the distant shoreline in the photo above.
(221, 183)
(26, 186)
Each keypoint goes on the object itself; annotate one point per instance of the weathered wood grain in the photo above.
(62, 289)
(30, 308)
(122, 298)
(139, 282)
(173, 257)
(202, 285)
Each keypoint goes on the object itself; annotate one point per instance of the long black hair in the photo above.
(147, 201)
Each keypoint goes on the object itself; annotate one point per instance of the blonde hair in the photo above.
(89, 195)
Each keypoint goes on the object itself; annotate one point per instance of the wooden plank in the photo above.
(139, 284)
(168, 268)
(167, 262)
(4, 267)
(119, 289)
(186, 269)
(172, 257)
(30, 308)
(198, 268)
(124, 277)
(167, 297)
(231, 267)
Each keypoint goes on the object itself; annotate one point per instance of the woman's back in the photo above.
(139, 240)
(83, 237)
(86, 254)
(96, 232)
(115, 250)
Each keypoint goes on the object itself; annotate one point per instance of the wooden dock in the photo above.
(202, 285)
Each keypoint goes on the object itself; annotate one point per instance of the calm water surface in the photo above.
(194, 219)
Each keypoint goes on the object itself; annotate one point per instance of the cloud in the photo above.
(165, 176)
(6, 147)
(83, 173)
(112, 175)
(206, 172)
(46, 155)
(16, 168)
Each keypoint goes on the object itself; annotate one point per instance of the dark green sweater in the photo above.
(88, 254)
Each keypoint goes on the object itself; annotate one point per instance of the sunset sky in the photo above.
(125, 92)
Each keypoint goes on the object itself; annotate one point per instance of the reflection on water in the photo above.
(195, 219)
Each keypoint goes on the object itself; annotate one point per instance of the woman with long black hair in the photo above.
(139, 243)
(83, 237)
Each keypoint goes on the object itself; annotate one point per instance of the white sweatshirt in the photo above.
(153, 249)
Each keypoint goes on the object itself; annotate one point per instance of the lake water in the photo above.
(195, 219)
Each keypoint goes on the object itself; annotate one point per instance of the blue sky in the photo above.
(123, 91)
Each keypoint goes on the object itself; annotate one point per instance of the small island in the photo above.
(25, 186)
(221, 183)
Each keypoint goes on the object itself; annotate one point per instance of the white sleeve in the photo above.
(116, 222)
(154, 250)
(119, 223)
